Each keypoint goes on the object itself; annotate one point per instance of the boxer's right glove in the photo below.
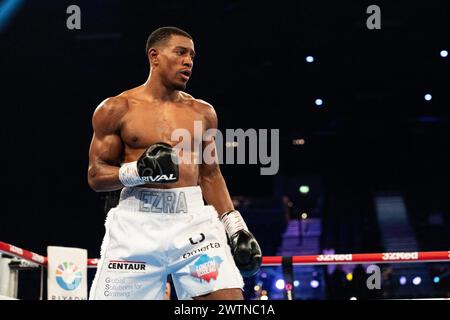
(155, 165)
(244, 247)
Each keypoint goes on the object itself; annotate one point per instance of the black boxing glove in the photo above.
(155, 165)
(244, 247)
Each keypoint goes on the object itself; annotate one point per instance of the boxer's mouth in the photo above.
(186, 74)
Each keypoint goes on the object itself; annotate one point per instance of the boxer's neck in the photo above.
(158, 91)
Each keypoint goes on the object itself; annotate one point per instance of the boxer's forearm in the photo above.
(215, 191)
(103, 178)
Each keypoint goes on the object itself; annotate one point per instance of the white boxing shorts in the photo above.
(156, 232)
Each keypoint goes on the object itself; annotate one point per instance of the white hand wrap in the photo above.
(129, 176)
(233, 222)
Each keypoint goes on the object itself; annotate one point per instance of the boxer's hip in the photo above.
(148, 221)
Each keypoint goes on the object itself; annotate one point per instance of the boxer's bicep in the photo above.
(210, 164)
(211, 181)
(105, 150)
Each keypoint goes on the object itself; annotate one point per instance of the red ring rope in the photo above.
(323, 259)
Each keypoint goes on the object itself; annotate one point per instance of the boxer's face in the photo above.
(176, 59)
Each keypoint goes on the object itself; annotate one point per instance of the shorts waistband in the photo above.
(176, 200)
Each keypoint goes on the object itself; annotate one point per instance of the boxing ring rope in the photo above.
(23, 254)
(323, 259)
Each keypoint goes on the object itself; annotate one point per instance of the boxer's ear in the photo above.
(153, 56)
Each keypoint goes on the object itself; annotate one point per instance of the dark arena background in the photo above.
(363, 118)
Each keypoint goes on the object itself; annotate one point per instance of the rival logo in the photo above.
(126, 265)
(159, 178)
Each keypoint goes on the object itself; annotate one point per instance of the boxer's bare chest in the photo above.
(148, 123)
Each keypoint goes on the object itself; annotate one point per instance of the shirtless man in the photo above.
(161, 224)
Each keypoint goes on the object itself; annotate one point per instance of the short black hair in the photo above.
(163, 34)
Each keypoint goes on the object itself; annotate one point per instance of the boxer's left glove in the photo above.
(244, 247)
(158, 164)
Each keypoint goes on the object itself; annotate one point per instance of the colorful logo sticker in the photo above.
(68, 276)
(206, 268)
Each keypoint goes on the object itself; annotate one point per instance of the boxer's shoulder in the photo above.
(109, 113)
(203, 107)
(209, 113)
(113, 106)
(195, 102)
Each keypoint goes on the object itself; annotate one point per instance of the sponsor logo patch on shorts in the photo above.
(126, 266)
(206, 267)
(211, 245)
